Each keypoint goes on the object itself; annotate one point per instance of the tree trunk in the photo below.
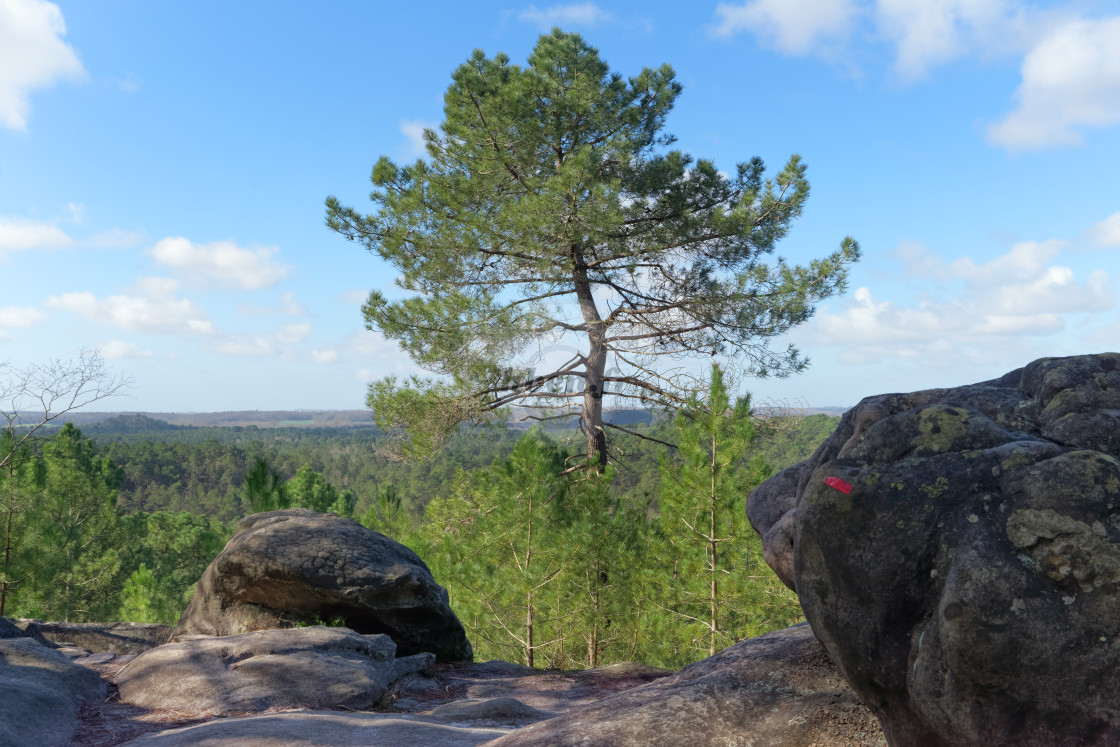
(8, 538)
(529, 629)
(713, 548)
(596, 363)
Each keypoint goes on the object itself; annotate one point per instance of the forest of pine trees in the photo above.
(653, 560)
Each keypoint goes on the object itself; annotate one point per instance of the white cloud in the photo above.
(32, 56)
(935, 32)
(153, 308)
(1107, 232)
(354, 296)
(796, 27)
(326, 355)
(292, 307)
(582, 14)
(1021, 293)
(22, 233)
(288, 306)
(267, 343)
(119, 349)
(413, 130)
(1071, 80)
(222, 261)
(21, 316)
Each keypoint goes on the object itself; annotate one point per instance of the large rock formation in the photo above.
(284, 568)
(957, 551)
(778, 689)
(314, 667)
(40, 690)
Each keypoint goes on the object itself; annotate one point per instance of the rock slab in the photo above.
(957, 551)
(319, 728)
(296, 566)
(40, 690)
(778, 689)
(315, 667)
(118, 638)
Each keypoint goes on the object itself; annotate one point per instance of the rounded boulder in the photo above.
(297, 567)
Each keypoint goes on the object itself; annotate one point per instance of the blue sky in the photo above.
(163, 168)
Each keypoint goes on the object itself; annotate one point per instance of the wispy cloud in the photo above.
(223, 262)
(121, 349)
(32, 56)
(795, 27)
(117, 239)
(413, 130)
(1106, 233)
(277, 342)
(21, 316)
(151, 307)
(1024, 292)
(576, 14)
(18, 234)
(1070, 62)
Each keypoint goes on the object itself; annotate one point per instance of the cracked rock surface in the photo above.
(957, 551)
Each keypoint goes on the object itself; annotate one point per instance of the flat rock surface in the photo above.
(474, 703)
(113, 723)
(777, 689)
(320, 728)
(40, 692)
(113, 637)
(315, 667)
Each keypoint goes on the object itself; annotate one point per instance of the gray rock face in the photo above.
(318, 728)
(314, 667)
(21, 629)
(778, 689)
(957, 551)
(115, 637)
(40, 690)
(283, 568)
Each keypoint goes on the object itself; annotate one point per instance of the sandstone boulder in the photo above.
(957, 551)
(315, 667)
(778, 689)
(115, 637)
(40, 690)
(284, 568)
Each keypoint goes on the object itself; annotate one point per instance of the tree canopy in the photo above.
(551, 214)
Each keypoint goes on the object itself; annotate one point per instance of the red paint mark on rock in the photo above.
(836, 482)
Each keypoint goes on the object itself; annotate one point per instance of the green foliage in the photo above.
(175, 549)
(719, 586)
(265, 489)
(387, 514)
(65, 562)
(308, 489)
(499, 547)
(548, 188)
(138, 599)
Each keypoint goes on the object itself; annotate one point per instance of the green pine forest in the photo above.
(651, 561)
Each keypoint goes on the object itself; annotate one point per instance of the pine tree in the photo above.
(550, 206)
(501, 546)
(721, 590)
